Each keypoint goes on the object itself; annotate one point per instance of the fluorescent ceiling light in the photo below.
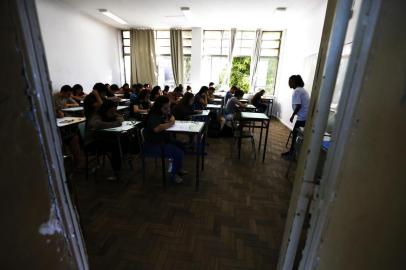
(186, 12)
(107, 13)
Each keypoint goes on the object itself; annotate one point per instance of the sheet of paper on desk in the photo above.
(186, 126)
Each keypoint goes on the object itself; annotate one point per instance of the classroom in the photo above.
(191, 134)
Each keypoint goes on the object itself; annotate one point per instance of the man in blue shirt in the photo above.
(300, 106)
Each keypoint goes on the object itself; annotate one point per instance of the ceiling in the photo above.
(209, 14)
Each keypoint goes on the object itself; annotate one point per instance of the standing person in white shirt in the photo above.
(300, 106)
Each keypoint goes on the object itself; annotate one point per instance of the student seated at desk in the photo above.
(124, 88)
(94, 100)
(188, 88)
(210, 93)
(114, 88)
(141, 105)
(184, 109)
(165, 92)
(105, 117)
(77, 93)
(155, 93)
(175, 95)
(257, 101)
(230, 94)
(63, 100)
(233, 105)
(158, 120)
(201, 98)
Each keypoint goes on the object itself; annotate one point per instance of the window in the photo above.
(216, 46)
(163, 57)
(187, 55)
(127, 55)
(268, 61)
(244, 43)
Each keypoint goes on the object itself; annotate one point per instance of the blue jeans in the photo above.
(172, 150)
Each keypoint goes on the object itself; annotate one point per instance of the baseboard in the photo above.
(283, 123)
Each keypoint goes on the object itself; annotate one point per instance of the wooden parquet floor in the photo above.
(235, 220)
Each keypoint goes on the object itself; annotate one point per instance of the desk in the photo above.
(270, 100)
(205, 113)
(119, 95)
(220, 94)
(67, 121)
(214, 107)
(248, 108)
(194, 128)
(257, 117)
(120, 108)
(73, 109)
(216, 101)
(124, 101)
(118, 131)
(243, 100)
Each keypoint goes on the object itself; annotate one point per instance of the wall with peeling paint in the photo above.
(78, 48)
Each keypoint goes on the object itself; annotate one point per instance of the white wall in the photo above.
(78, 48)
(300, 46)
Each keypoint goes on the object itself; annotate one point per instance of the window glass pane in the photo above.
(212, 43)
(269, 52)
(187, 34)
(186, 68)
(271, 35)
(266, 74)
(165, 75)
(127, 66)
(163, 42)
(214, 68)
(212, 34)
(240, 72)
(126, 34)
(246, 51)
(127, 50)
(269, 44)
(163, 50)
(126, 42)
(248, 35)
(163, 34)
(187, 50)
(187, 42)
(226, 35)
(247, 43)
(213, 51)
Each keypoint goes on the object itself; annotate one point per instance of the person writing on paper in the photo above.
(184, 109)
(94, 100)
(63, 100)
(201, 98)
(157, 122)
(257, 101)
(140, 105)
(233, 105)
(300, 106)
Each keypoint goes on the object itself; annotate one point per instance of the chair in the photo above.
(143, 155)
(239, 133)
(91, 152)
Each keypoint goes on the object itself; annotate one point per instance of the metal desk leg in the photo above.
(260, 138)
(163, 167)
(203, 143)
(197, 162)
(266, 139)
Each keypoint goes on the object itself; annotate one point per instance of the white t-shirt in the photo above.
(300, 96)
